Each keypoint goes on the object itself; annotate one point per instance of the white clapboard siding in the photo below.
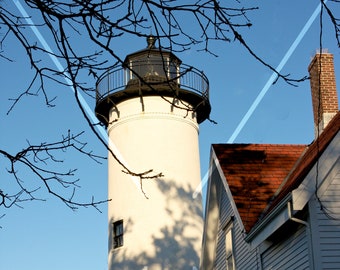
(225, 213)
(291, 253)
(328, 225)
(243, 257)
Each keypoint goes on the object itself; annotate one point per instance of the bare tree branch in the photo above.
(38, 161)
(100, 25)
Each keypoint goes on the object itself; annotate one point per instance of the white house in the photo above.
(278, 206)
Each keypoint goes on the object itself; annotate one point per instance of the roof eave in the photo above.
(277, 217)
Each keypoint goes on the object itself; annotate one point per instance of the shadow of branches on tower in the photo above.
(176, 245)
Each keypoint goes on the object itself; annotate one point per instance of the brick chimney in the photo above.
(323, 89)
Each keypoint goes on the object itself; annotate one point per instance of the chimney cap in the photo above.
(322, 50)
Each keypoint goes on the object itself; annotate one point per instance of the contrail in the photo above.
(273, 76)
(59, 66)
(265, 88)
(83, 102)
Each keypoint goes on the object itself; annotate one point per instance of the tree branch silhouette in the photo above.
(101, 24)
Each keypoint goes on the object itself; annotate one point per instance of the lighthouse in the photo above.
(152, 106)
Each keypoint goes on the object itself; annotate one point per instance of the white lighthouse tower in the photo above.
(152, 106)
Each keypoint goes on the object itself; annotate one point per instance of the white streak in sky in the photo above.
(58, 65)
(83, 102)
(273, 76)
(265, 88)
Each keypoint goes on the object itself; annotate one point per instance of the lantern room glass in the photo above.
(153, 65)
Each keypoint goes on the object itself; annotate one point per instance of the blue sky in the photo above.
(48, 235)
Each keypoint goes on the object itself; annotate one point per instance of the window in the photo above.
(229, 249)
(118, 231)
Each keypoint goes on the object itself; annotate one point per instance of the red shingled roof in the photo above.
(308, 160)
(254, 172)
(257, 172)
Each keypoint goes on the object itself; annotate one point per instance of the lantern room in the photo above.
(153, 72)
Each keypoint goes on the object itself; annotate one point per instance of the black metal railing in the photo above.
(187, 77)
